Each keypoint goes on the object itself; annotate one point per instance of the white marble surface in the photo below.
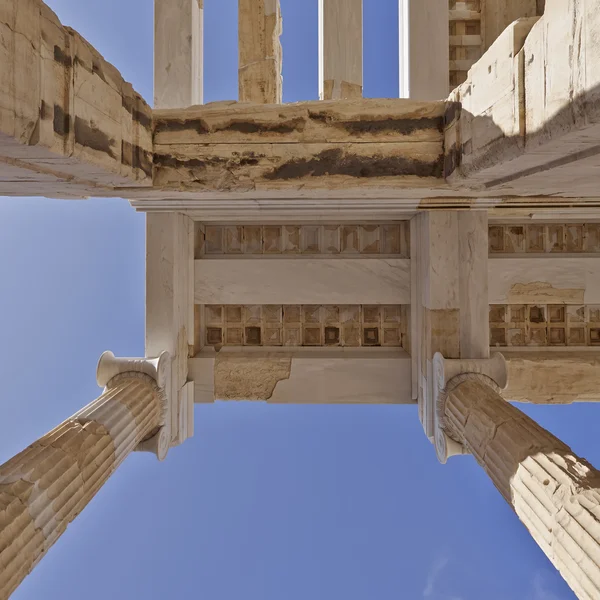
(569, 280)
(376, 380)
(440, 260)
(302, 281)
(473, 284)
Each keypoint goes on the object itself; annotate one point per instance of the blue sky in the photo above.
(266, 502)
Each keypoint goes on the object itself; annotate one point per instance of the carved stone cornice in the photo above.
(449, 373)
(155, 371)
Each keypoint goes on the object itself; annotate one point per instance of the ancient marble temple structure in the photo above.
(440, 249)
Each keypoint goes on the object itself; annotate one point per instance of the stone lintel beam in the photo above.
(331, 145)
(69, 123)
(260, 58)
(287, 376)
(555, 493)
(46, 486)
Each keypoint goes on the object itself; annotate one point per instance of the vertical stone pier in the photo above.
(43, 488)
(555, 493)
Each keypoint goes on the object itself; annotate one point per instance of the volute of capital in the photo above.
(447, 375)
(109, 366)
(111, 370)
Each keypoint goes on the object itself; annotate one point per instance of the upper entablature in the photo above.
(71, 127)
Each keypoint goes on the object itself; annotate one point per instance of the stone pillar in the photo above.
(424, 49)
(178, 53)
(46, 486)
(555, 493)
(259, 49)
(340, 49)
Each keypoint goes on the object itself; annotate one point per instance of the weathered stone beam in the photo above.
(546, 377)
(260, 56)
(68, 120)
(529, 121)
(320, 145)
(372, 120)
(340, 49)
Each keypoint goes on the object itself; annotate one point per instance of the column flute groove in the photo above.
(555, 493)
(43, 488)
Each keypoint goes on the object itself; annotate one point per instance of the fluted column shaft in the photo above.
(46, 486)
(555, 493)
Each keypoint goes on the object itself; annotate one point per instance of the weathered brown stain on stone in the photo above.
(239, 126)
(248, 127)
(61, 57)
(126, 154)
(62, 121)
(91, 137)
(142, 159)
(543, 292)
(136, 157)
(452, 160)
(138, 116)
(176, 125)
(337, 162)
(142, 118)
(452, 114)
(127, 104)
(402, 126)
(44, 112)
(373, 126)
(97, 70)
(237, 160)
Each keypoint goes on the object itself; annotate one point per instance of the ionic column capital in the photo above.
(446, 373)
(157, 371)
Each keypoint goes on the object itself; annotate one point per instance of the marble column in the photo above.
(43, 488)
(555, 493)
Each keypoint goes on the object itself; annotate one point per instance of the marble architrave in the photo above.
(302, 281)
